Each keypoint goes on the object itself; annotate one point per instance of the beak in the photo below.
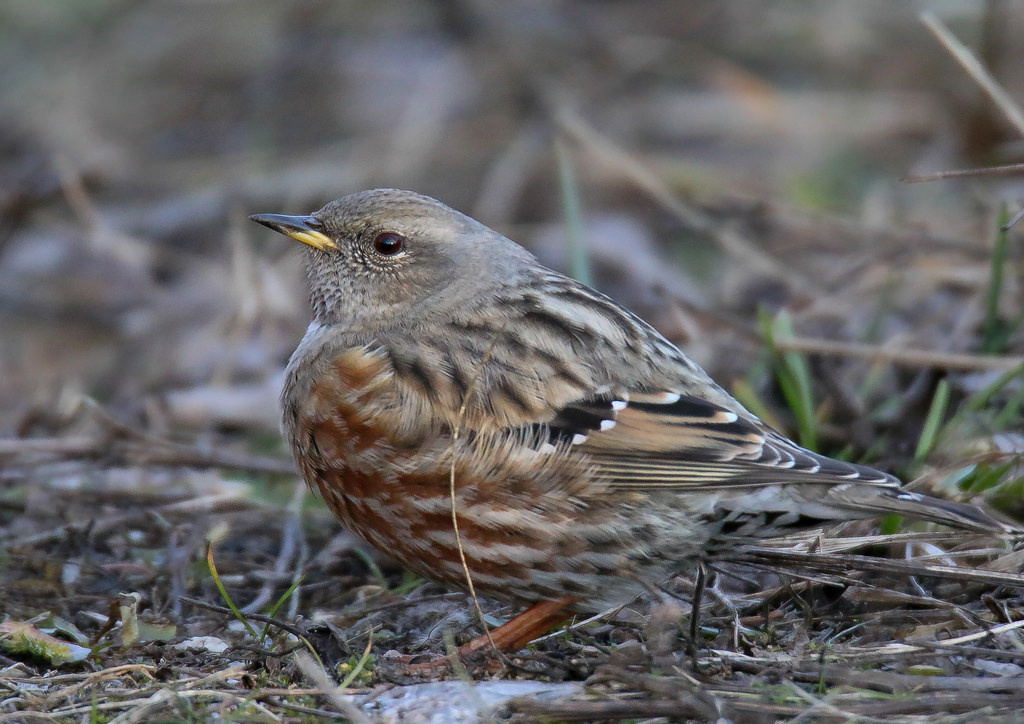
(301, 228)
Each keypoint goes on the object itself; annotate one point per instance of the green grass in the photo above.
(952, 421)
(358, 669)
(794, 377)
(277, 606)
(228, 601)
(996, 331)
(579, 262)
(933, 422)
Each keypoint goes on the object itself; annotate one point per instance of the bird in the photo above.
(492, 423)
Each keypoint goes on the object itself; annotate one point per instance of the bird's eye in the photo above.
(388, 244)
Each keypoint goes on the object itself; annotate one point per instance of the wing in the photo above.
(670, 440)
(756, 481)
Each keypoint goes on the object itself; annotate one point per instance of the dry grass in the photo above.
(733, 173)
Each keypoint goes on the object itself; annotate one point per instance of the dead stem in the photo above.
(901, 356)
(451, 490)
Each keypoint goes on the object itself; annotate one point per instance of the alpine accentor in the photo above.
(588, 455)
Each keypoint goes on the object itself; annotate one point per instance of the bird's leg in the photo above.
(698, 594)
(512, 635)
(520, 630)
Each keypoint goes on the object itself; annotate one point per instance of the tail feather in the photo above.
(883, 501)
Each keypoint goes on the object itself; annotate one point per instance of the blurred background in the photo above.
(713, 158)
(730, 170)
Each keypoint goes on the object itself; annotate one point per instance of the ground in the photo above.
(733, 172)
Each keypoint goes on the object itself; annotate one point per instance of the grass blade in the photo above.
(794, 377)
(933, 422)
(996, 332)
(224, 593)
(579, 263)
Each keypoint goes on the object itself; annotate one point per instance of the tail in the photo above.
(885, 500)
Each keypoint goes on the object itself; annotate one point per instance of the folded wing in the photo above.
(756, 481)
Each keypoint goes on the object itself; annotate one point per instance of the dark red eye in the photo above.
(388, 244)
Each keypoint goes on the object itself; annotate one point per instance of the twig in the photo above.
(576, 710)
(147, 708)
(733, 243)
(253, 616)
(976, 70)
(150, 452)
(291, 547)
(1012, 222)
(192, 506)
(843, 563)
(315, 673)
(404, 603)
(1016, 169)
(903, 357)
